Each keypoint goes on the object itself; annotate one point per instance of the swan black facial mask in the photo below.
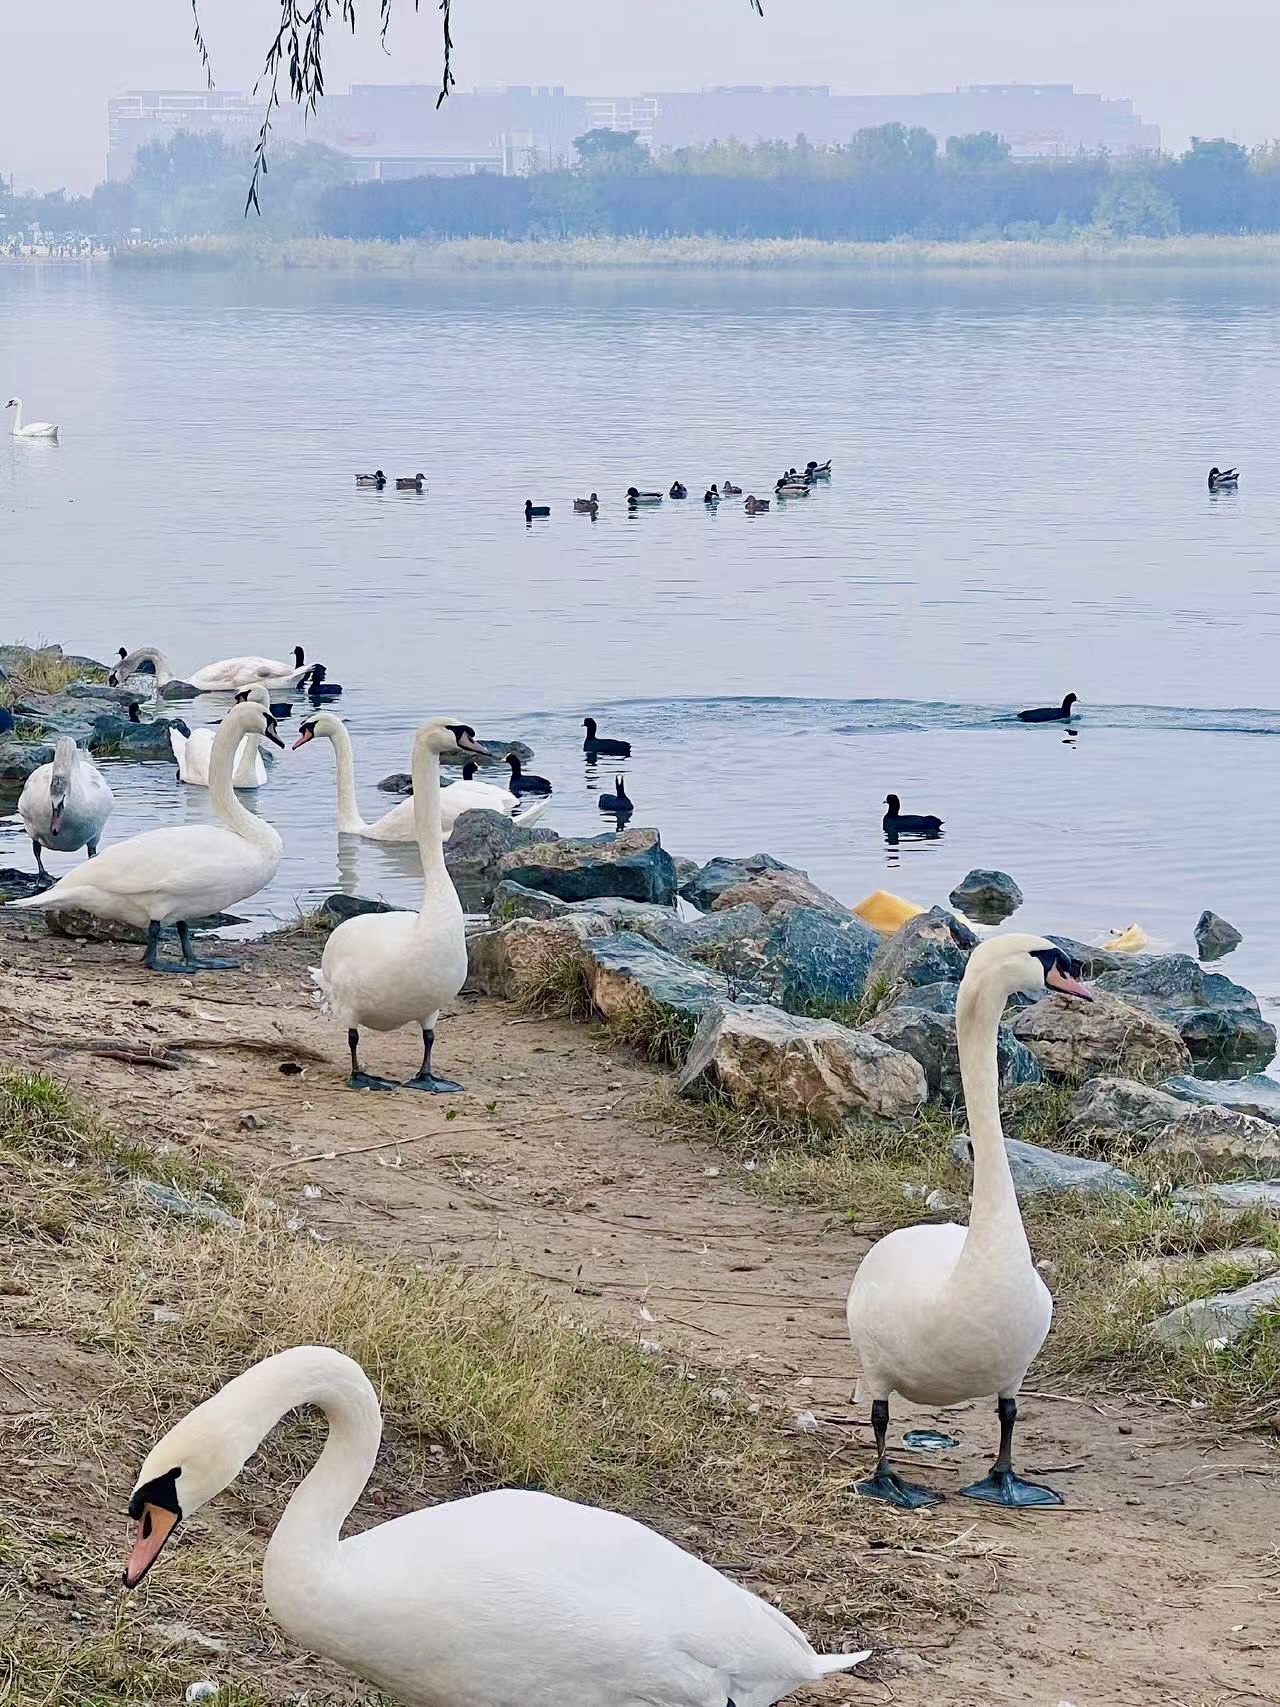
(271, 734)
(465, 736)
(157, 1512)
(1060, 974)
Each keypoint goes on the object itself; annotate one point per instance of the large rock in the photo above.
(518, 901)
(624, 973)
(988, 896)
(1076, 1040)
(705, 886)
(1222, 1141)
(813, 958)
(337, 909)
(1256, 1094)
(630, 864)
(1215, 937)
(930, 1038)
(1038, 1172)
(480, 841)
(1218, 1020)
(1107, 1104)
(932, 948)
(16, 885)
(511, 959)
(1093, 962)
(18, 759)
(1211, 1323)
(777, 891)
(798, 1069)
(82, 926)
(1237, 1197)
(116, 738)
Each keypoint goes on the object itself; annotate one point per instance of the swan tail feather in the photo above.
(46, 898)
(828, 1663)
(317, 977)
(178, 743)
(531, 814)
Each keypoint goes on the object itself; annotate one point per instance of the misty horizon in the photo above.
(58, 72)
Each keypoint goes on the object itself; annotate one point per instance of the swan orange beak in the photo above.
(306, 735)
(155, 1527)
(1069, 986)
(470, 745)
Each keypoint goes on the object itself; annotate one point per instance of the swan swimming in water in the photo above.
(382, 971)
(65, 803)
(184, 871)
(400, 824)
(506, 1597)
(192, 752)
(33, 429)
(943, 1314)
(227, 675)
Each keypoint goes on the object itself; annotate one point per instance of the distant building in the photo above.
(392, 130)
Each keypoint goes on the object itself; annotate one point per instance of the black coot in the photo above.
(898, 822)
(318, 685)
(1049, 713)
(596, 744)
(617, 804)
(522, 784)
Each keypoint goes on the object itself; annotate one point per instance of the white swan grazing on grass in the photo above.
(399, 824)
(228, 675)
(33, 429)
(386, 970)
(942, 1314)
(500, 1599)
(192, 752)
(185, 871)
(64, 804)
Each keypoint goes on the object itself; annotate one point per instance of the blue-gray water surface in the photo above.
(1019, 508)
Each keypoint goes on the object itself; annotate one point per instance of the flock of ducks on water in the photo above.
(519, 1594)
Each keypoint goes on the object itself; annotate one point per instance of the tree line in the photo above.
(886, 182)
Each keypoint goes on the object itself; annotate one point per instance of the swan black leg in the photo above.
(46, 882)
(426, 1079)
(91, 849)
(887, 1484)
(151, 958)
(364, 1081)
(192, 962)
(1001, 1486)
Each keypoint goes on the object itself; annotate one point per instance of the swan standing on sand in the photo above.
(942, 1314)
(192, 752)
(33, 429)
(503, 1598)
(185, 871)
(400, 825)
(228, 675)
(65, 803)
(386, 970)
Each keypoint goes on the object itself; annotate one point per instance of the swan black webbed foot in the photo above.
(193, 963)
(425, 1079)
(361, 1081)
(151, 955)
(1001, 1486)
(887, 1484)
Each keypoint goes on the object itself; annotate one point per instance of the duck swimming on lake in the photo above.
(634, 497)
(1050, 713)
(898, 822)
(729, 490)
(377, 478)
(678, 490)
(1222, 479)
(754, 505)
(531, 510)
(586, 506)
(410, 482)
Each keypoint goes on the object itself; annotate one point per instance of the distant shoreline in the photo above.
(611, 254)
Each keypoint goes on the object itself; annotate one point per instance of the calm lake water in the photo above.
(1019, 508)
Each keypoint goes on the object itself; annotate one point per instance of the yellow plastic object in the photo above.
(1129, 941)
(886, 913)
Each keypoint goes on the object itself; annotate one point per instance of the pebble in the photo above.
(806, 1423)
(203, 1690)
(1124, 1428)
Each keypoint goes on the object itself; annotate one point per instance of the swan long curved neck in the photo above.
(310, 1375)
(994, 1210)
(349, 820)
(222, 796)
(425, 770)
(146, 655)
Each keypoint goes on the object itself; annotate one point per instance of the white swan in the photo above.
(399, 824)
(228, 675)
(385, 970)
(185, 871)
(65, 803)
(192, 752)
(33, 429)
(493, 1601)
(942, 1314)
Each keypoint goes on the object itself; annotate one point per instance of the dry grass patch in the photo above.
(557, 986)
(48, 672)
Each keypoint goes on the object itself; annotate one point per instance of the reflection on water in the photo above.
(777, 674)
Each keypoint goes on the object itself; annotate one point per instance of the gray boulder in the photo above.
(1037, 1171)
(509, 960)
(15, 885)
(813, 958)
(117, 738)
(932, 948)
(934, 998)
(1106, 1104)
(474, 853)
(1211, 1323)
(1237, 1197)
(1093, 962)
(930, 1038)
(18, 759)
(704, 887)
(336, 909)
(176, 690)
(1221, 1141)
(630, 864)
(797, 1068)
(81, 926)
(988, 896)
(1256, 1094)
(625, 973)
(517, 901)
(1215, 937)
(1078, 1040)
(1218, 1020)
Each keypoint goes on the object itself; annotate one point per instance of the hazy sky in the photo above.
(1187, 67)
